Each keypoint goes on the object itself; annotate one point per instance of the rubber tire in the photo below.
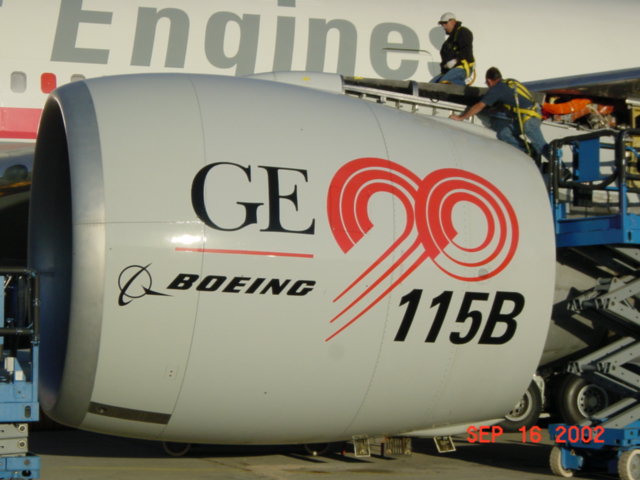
(629, 465)
(174, 449)
(568, 398)
(526, 412)
(555, 462)
(323, 449)
(318, 449)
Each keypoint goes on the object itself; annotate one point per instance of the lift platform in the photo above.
(594, 190)
(19, 343)
(581, 219)
(615, 450)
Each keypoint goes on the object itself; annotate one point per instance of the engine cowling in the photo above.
(229, 260)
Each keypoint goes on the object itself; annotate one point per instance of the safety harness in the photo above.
(523, 114)
(467, 66)
(518, 91)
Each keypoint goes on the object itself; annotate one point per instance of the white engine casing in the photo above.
(160, 201)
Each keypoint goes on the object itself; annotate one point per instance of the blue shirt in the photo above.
(502, 94)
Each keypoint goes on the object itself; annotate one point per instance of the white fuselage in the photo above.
(71, 39)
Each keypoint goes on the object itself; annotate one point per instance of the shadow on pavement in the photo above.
(508, 453)
(78, 443)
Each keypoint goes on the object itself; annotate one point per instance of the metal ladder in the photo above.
(419, 98)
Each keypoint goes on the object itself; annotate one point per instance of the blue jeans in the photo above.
(508, 130)
(455, 76)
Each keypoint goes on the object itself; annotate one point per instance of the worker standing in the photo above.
(518, 113)
(457, 52)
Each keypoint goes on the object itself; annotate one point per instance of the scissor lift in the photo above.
(19, 341)
(595, 203)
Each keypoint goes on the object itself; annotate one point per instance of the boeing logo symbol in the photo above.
(135, 282)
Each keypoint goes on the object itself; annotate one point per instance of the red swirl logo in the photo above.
(432, 206)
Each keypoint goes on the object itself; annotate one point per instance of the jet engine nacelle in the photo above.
(229, 260)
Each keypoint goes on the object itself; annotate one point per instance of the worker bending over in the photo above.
(518, 114)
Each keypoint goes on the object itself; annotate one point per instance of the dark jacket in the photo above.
(459, 45)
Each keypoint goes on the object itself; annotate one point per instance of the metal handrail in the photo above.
(619, 174)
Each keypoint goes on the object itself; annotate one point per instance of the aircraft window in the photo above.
(48, 82)
(18, 82)
(77, 76)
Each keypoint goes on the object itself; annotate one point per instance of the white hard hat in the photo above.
(447, 16)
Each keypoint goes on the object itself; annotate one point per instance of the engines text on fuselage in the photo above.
(231, 40)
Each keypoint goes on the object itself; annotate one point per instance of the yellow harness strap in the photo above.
(468, 67)
(524, 113)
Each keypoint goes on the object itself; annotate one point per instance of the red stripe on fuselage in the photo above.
(19, 123)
